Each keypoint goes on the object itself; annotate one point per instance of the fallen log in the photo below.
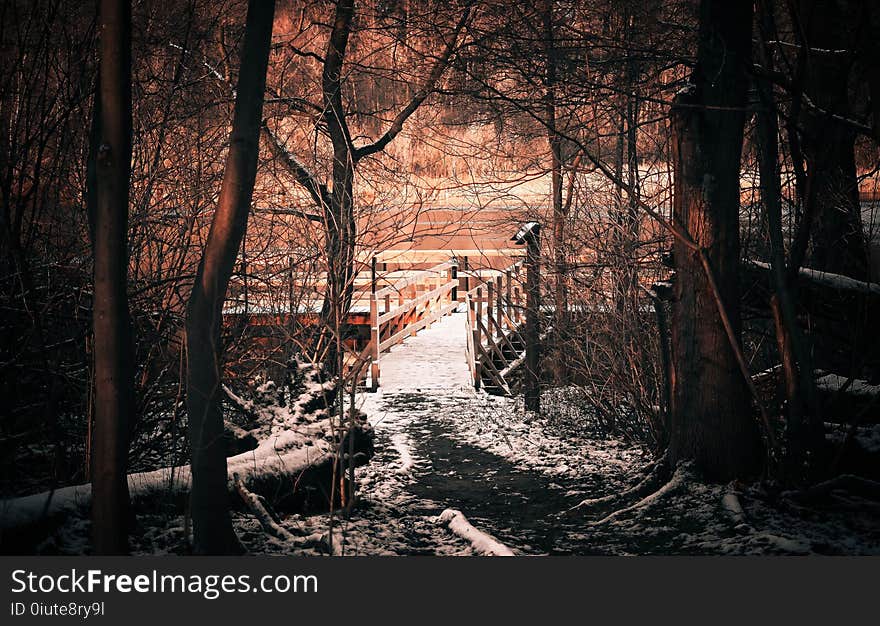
(848, 483)
(290, 465)
(824, 280)
(482, 542)
(840, 398)
(834, 310)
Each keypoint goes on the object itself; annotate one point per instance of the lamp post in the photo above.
(529, 234)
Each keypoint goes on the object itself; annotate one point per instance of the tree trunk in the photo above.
(804, 433)
(828, 143)
(559, 214)
(339, 222)
(114, 357)
(711, 420)
(830, 185)
(532, 382)
(212, 525)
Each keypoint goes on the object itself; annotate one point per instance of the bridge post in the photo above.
(453, 275)
(467, 277)
(529, 234)
(374, 339)
(517, 306)
(499, 310)
(509, 277)
(533, 304)
(478, 317)
(490, 304)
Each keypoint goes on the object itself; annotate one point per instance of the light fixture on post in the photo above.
(529, 234)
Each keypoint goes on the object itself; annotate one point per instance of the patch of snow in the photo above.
(401, 445)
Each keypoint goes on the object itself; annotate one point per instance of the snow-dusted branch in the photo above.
(482, 542)
(837, 282)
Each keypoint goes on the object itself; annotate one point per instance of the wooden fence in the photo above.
(495, 317)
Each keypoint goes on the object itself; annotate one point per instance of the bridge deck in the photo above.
(434, 359)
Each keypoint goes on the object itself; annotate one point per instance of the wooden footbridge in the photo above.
(476, 274)
(492, 301)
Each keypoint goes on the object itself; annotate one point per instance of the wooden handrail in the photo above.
(415, 278)
(472, 292)
(494, 315)
(400, 335)
(411, 315)
(411, 304)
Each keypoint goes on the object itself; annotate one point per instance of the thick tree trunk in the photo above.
(711, 420)
(212, 526)
(112, 327)
(830, 185)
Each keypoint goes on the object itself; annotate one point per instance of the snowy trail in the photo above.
(440, 445)
(433, 431)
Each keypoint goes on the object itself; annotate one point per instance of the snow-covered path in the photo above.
(441, 444)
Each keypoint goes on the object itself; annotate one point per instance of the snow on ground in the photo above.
(514, 475)
(440, 444)
(694, 520)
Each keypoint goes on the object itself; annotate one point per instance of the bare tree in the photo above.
(113, 342)
(212, 525)
(336, 201)
(711, 419)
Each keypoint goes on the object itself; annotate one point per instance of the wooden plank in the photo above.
(423, 256)
(374, 342)
(493, 372)
(513, 365)
(514, 268)
(469, 313)
(504, 336)
(491, 344)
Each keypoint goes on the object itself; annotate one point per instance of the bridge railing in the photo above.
(495, 315)
(419, 300)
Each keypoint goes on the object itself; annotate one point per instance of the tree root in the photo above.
(674, 484)
(864, 491)
(658, 468)
(272, 526)
(261, 511)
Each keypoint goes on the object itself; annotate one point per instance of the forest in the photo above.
(440, 277)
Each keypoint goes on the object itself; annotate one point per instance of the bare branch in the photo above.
(301, 173)
(420, 96)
